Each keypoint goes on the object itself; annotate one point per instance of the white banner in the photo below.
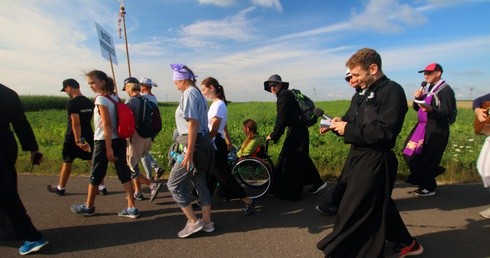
(106, 44)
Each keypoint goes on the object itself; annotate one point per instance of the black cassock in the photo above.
(367, 214)
(295, 167)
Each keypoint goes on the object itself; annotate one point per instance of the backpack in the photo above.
(307, 107)
(150, 121)
(125, 119)
(452, 117)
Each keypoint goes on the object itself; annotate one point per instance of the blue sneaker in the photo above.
(82, 210)
(29, 247)
(129, 213)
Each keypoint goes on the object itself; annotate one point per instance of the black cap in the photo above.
(70, 82)
(129, 80)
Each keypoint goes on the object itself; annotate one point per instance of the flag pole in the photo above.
(122, 13)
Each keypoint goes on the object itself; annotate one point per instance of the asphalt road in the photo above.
(447, 224)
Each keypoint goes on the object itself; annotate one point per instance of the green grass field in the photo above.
(327, 151)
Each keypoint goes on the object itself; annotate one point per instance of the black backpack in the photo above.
(307, 107)
(149, 123)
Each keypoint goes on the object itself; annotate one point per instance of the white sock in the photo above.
(101, 187)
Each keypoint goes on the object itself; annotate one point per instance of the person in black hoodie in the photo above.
(295, 168)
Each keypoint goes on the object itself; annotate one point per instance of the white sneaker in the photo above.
(485, 213)
(191, 228)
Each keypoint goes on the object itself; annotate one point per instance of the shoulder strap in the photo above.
(436, 97)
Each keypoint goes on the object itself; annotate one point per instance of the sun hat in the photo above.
(275, 79)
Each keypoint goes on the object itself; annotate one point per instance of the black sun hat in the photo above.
(275, 79)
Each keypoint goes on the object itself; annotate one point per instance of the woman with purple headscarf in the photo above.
(192, 142)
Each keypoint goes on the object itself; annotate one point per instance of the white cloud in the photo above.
(209, 33)
(386, 16)
(222, 3)
(276, 4)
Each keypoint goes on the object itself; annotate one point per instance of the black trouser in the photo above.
(11, 207)
(221, 173)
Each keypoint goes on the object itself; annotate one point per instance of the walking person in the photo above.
(138, 146)
(79, 136)
(148, 160)
(367, 214)
(427, 141)
(108, 147)
(218, 132)
(12, 208)
(193, 136)
(295, 168)
(330, 201)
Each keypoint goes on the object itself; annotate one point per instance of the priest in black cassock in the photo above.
(367, 214)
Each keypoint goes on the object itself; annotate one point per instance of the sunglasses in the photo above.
(273, 84)
(347, 79)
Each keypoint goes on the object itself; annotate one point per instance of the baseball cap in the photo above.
(148, 82)
(129, 80)
(432, 67)
(70, 82)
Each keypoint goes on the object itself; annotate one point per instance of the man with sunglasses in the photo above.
(435, 105)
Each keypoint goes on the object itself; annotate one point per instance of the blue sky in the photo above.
(243, 42)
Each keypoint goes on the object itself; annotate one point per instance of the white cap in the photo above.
(148, 82)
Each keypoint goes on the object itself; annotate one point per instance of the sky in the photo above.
(243, 42)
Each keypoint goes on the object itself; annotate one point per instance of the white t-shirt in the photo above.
(99, 130)
(218, 109)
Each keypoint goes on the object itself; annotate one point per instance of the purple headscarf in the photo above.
(180, 73)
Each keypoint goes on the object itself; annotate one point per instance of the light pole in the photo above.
(122, 13)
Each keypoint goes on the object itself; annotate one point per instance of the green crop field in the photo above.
(327, 151)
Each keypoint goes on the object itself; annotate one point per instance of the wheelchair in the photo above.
(253, 172)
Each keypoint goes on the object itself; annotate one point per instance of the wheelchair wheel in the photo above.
(254, 176)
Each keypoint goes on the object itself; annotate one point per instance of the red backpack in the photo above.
(125, 119)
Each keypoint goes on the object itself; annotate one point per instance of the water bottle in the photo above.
(178, 157)
(85, 146)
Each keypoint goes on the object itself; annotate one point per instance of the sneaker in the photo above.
(413, 249)
(129, 213)
(139, 196)
(327, 210)
(485, 213)
(103, 191)
(54, 189)
(317, 188)
(29, 247)
(249, 208)
(191, 228)
(82, 210)
(158, 173)
(208, 227)
(424, 192)
(154, 192)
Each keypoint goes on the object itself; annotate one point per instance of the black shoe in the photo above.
(424, 192)
(317, 188)
(327, 210)
(54, 189)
